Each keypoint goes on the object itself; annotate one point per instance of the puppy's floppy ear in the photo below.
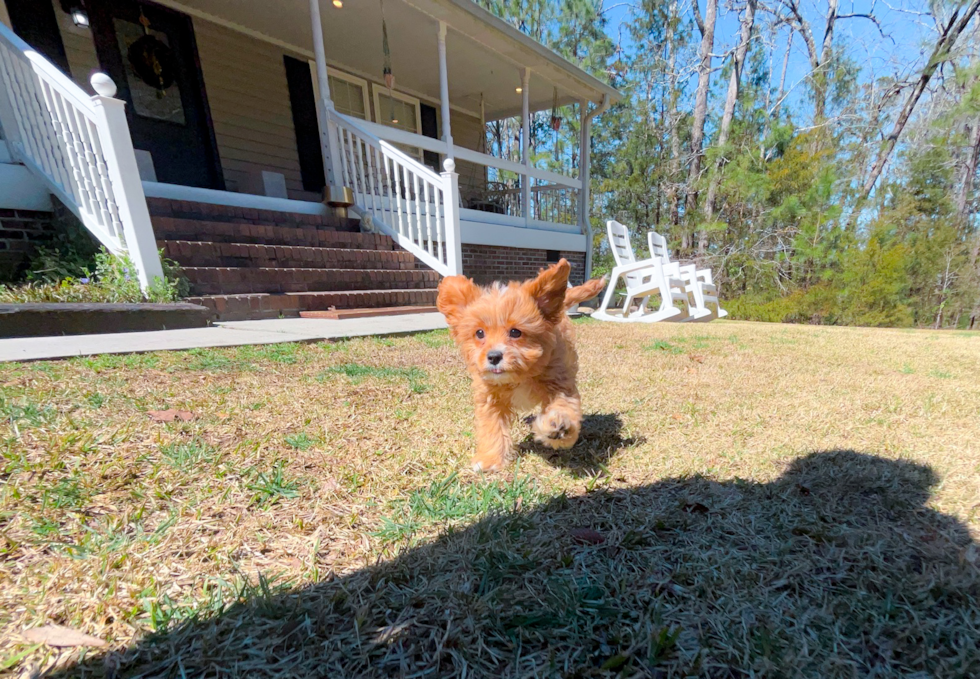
(455, 294)
(548, 290)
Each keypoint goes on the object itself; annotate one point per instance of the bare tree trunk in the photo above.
(818, 57)
(738, 61)
(969, 172)
(707, 28)
(940, 53)
(674, 168)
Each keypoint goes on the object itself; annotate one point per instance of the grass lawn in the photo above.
(747, 500)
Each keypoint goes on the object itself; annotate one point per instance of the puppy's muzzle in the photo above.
(494, 359)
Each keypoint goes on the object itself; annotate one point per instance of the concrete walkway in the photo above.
(232, 334)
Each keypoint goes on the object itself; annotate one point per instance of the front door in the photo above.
(151, 54)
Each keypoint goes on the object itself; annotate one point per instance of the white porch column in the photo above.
(584, 173)
(328, 140)
(447, 133)
(526, 144)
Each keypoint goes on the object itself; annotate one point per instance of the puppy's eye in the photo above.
(480, 334)
(515, 333)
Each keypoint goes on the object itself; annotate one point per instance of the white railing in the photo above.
(80, 147)
(400, 196)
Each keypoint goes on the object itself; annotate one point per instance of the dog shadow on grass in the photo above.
(601, 439)
(838, 568)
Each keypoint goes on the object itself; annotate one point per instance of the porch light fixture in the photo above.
(519, 89)
(338, 3)
(79, 17)
(76, 10)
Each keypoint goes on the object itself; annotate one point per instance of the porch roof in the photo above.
(484, 54)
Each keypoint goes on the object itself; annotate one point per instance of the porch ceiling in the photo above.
(484, 54)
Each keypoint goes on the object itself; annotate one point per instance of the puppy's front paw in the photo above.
(487, 462)
(556, 429)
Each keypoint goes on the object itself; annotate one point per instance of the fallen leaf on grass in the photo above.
(330, 485)
(696, 358)
(170, 415)
(60, 637)
(587, 536)
(677, 417)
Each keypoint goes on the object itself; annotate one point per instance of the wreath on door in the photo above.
(153, 62)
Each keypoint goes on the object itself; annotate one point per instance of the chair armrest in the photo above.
(636, 266)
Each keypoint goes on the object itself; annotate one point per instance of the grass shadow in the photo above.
(601, 440)
(838, 568)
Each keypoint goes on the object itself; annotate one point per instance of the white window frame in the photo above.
(379, 89)
(341, 75)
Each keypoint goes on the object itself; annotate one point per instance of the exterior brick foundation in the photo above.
(488, 263)
(21, 231)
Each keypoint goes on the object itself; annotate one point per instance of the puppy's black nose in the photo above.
(495, 357)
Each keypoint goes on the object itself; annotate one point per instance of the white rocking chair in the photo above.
(698, 282)
(642, 278)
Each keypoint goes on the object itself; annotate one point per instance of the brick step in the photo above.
(340, 314)
(299, 235)
(289, 305)
(209, 254)
(240, 280)
(183, 209)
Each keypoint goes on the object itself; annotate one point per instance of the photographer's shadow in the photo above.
(836, 569)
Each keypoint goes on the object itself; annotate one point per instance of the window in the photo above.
(399, 111)
(349, 93)
(349, 96)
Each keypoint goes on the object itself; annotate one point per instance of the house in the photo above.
(291, 155)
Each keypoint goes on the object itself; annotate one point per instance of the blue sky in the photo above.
(902, 50)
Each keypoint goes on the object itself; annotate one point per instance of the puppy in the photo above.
(519, 349)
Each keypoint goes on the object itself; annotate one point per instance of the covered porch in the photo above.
(274, 106)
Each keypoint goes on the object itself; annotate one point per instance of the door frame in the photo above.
(199, 89)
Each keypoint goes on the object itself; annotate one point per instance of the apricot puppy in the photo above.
(519, 349)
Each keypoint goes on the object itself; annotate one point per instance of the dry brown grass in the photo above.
(313, 519)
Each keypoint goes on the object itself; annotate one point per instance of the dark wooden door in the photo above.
(151, 54)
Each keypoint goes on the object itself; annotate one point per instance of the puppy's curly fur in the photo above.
(519, 348)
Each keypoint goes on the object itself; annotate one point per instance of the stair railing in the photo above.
(399, 196)
(80, 147)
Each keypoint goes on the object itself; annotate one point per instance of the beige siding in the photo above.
(245, 80)
(4, 17)
(79, 48)
(468, 134)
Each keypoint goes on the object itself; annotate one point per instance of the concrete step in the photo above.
(240, 280)
(210, 254)
(290, 305)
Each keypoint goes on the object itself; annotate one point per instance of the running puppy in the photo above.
(519, 348)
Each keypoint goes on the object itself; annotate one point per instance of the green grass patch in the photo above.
(268, 488)
(356, 372)
(663, 345)
(452, 501)
(276, 353)
(183, 455)
(300, 441)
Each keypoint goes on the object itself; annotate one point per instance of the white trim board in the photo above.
(214, 197)
(481, 233)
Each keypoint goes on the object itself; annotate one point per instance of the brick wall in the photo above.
(21, 231)
(488, 263)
